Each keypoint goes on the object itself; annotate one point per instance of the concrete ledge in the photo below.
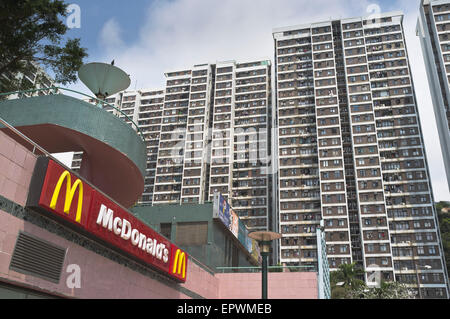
(114, 154)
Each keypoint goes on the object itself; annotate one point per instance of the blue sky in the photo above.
(148, 37)
(130, 16)
(94, 15)
(135, 32)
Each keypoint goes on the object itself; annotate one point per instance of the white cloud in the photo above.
(110, 38)
(180, 33)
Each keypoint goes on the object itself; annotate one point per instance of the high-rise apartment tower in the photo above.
(215, 137)
(433, 29)
(351, 152)
(208, 131)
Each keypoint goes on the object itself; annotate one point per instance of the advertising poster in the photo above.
(234, 224)
(248, 244)
(224, 211)
(243, 236)
(255, 250)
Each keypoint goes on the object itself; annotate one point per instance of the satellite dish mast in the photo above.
(103, 79)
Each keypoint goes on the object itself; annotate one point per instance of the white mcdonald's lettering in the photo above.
(123, 228)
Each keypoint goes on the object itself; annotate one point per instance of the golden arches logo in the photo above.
(179, 263)
(70, 193)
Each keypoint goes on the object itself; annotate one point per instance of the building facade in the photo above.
(351, 152)
(241, 135)
(216, 138)
(183, 151)
(433, 29)
(43, 257)
(34, 78)
(348, 148)
(208, 131)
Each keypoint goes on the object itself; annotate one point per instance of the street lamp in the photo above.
(264, 239)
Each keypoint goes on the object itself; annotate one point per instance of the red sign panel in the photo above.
(67, 196)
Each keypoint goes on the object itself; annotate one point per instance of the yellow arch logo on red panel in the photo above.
(70, 193)
(179, 264)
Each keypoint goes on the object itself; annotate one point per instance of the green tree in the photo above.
(444, 226)
(345, 279)
(387, 290)
(349, 274)
(346, 284)
(33, 31)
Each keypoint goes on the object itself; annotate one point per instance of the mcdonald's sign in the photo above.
(59, 193)
(178, 266)
(70, 193)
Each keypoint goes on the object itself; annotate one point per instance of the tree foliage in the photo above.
(387, 290)
(346, 284)
(33, 31)
(444, 226)
(345, 279)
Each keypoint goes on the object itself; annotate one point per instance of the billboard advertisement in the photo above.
(234, 226)
(225, 213)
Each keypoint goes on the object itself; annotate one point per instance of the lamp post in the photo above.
(264, 239)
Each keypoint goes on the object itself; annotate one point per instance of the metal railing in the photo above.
(99, 101)
(28, 140)
(270, 269)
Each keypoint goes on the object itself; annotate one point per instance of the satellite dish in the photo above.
(103, 79)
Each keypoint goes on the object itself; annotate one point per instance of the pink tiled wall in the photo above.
(102, 277)
(286, 285)
(202, 282)
(16, 168)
